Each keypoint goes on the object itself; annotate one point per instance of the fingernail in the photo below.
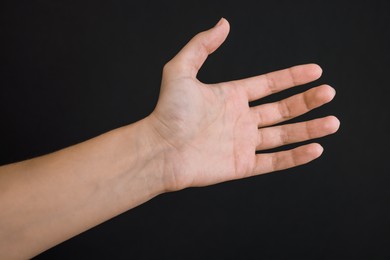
(219, 23)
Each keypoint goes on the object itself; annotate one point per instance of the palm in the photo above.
(214, 134)
(212, 129)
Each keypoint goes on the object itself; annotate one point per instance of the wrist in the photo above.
(146, 157)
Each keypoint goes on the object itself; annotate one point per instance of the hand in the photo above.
(212, 132)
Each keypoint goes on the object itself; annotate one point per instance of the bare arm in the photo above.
(49, 199)
(198, 135)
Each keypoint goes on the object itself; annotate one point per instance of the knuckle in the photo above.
(293, 76)
(306, 101)
(284, 110)
(284, 136)
(270, 83)
(274, 163)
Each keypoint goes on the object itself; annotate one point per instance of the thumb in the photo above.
(192, 56)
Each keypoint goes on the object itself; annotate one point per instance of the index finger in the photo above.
(263, 85)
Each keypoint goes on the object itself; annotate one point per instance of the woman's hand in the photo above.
(212, 134)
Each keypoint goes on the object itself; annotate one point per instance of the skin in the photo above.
(199, 134)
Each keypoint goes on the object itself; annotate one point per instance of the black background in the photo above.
(71, 70)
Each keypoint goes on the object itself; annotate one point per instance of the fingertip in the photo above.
(305, 73)
(223, 23)
(315, 70)
(332, 124)
(325, 93)
(332, 92)
(315, 149)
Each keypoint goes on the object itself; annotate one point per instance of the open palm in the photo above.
(212, 132)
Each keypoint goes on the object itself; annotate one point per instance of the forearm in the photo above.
(49, 199)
